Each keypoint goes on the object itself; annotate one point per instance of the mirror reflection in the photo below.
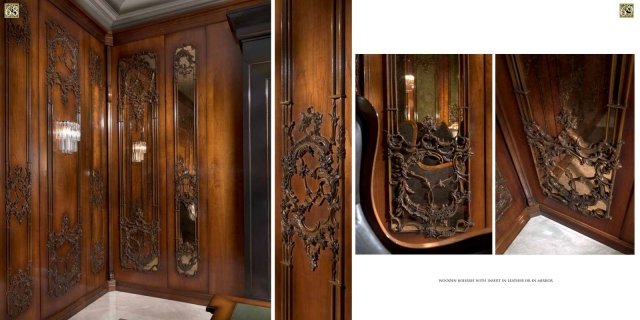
(186, 184)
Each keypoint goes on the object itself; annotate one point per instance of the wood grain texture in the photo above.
(603, 230)
(374, 89)
(313, 75)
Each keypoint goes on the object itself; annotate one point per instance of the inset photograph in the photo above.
(423, 154)
(564, 154)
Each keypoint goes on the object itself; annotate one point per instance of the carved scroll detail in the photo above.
(326, 172)
(96, 185)
(64, 270)
(19, 292)
(67, 55)
(406, 159)
(186, 193)
(18, 193)
(95, 68)
(20, 33)
(503, 195)
(139, 243)
(549, 150)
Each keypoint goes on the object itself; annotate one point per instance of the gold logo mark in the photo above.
(11, 10)
(626, 10)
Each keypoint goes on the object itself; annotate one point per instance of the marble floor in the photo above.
(118, 305)
(542, 235)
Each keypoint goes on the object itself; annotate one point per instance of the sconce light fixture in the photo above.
(139, 149)
(67, 134)
(409, 82)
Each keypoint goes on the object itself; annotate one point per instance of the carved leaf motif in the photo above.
(18, 193)
(19, 292)
(64, 269)
(408, 180)
(326, 174)
(20, 33)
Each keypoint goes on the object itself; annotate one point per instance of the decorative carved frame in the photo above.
(61, 280)
(136, 233)
(327, 168)
(18, 187)
(186, 183)
(405, 165)
(603, 156)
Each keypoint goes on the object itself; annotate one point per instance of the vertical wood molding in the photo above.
(62, 49)
(314, 153)
(18, 168)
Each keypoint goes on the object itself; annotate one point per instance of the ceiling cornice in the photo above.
(112, 19)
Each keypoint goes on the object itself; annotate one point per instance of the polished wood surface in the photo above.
(310, 73)
(219, 165)
(609, 232)
(373, 89)
(222, 306)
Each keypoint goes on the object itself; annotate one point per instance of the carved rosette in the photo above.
(19, 292)
(568, 146)
(433, 219)
(19, 30)
(324, 170)
(18, 193)
(64, 269)
(139, 243)
(503, 195)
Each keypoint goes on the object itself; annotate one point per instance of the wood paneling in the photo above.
(315, 106)
(373, 89)
(607, 231)
(219, 165)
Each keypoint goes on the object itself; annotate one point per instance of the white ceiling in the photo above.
(118, 14)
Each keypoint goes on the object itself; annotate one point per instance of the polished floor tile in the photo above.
(545, 236)
(117, 305)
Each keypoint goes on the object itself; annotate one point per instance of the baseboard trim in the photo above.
(80, 304)
(585, 229)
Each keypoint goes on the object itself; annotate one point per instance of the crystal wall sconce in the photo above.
(67, 135)
(139, 149)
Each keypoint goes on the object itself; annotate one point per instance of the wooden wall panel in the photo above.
(224, 160)
(312, 91)
(604, 230)
(19, 155)
(196, 38)
(220, 172)
(375, 91)
(63, 177)
(157, 150)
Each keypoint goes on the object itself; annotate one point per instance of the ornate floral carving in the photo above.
(20, 33)
(97, 256)
(323, 168)
(62, 50)
(562, 183)
(96, 192)
(64, 269)
(139, 242)
(186, 196)
(137, 83)
(429, 200)
(184, 61)
(18, 193)
(19, 292)
(503, 196)
(95, 68)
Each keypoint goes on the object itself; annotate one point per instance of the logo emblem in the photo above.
(626, 10)
(11, 10)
